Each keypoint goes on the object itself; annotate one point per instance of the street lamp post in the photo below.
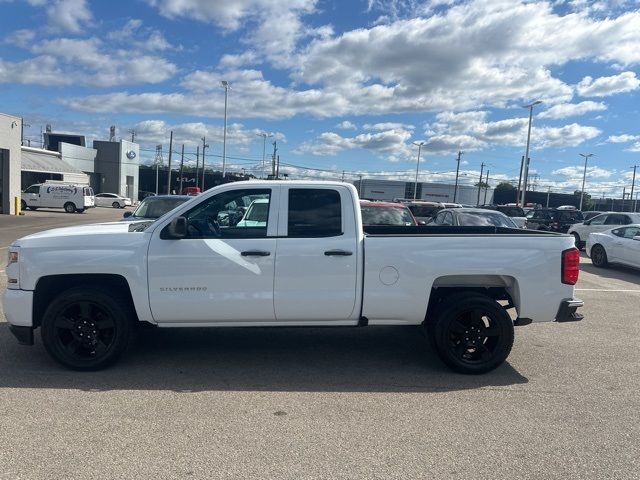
(415, 189)
(225, 85)
(526, 154)
(264, 146)
(584, 176)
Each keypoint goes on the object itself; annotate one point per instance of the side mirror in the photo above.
(127, 214)
(421, 222)
(637, 237)
(177, 229)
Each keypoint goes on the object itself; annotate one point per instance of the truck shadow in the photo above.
(376, 359)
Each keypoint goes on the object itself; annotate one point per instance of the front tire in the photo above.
(577, 240)
(23, 205)
(86, 329)
(69, 207)
(115, 205)
(471, 333)
(599, 256)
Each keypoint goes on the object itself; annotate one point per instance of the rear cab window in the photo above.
(314, 213)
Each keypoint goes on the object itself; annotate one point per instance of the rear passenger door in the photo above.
(316, 256)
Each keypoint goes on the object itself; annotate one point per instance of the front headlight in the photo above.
(12, 258)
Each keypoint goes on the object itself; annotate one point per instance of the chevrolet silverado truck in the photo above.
(310, 263)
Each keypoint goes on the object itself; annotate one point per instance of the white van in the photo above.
(73, 198)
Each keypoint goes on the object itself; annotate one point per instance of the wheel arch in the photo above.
(49, 287)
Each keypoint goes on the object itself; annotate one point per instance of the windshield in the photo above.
(154, 207)
(512, 211)
(424, 210)
(491, 219)
(386, 216)
(257, 212)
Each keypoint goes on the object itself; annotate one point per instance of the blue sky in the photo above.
(341, 85)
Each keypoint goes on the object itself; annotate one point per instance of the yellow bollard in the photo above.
(17, 205)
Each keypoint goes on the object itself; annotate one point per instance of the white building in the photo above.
(10, 139)
(373, 189)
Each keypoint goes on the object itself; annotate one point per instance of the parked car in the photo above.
(473, 217)
(553, 219)
(112, 200)
(256, 215)
(143, 194)
(514, 212)
(154, 207)
(52, 194)
(600, 223)
(620, 245)
(86, 286)
(386, 213)
(191, 191)
(424, 211)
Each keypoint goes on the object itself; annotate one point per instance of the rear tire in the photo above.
(23, 205)
(86, 329)
(471, 333)
(69, 207)
(599, 256)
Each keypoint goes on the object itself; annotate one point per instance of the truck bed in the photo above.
(392, 230)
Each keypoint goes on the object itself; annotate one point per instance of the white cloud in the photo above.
(69, 15)
(624, 138)
(634, 148)
(388, 126)
(347, 125)
(564, 110)
(133, 34)
(20, 38)
(576, 172)
(66, 61)
(604, 86)
(391, 144)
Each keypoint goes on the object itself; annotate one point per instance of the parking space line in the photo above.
(605, 290)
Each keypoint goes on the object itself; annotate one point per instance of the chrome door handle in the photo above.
(255, 253)
(338, 253)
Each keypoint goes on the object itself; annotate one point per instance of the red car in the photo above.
(386, 213)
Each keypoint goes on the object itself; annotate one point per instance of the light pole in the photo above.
(225, 85)
(526, 153)
(415, 189)
(584, 176)
(264, 136)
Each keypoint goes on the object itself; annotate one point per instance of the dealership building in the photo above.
(373, 189)
(107, 166)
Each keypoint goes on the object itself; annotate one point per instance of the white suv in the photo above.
(600, 223)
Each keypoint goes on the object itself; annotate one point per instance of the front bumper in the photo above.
(567, 311)
(18, 310)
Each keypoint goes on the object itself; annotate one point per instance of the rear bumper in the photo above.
(567, 311)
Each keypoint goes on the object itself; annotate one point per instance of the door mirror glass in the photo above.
(177, 229)
(127, 214)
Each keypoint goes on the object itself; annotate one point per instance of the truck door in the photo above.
(316, 256)
(32, 196)
(222, 272)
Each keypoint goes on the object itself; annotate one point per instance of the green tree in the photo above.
(587, 203)
(504, 187)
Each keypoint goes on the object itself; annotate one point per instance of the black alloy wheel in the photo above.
(471, 333)
(85, 329)
(599, 256)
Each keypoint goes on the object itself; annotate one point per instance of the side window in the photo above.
(33, 189)
(614, 220)
(630, 232)
(599, 220)
(447, 219)
(618, 232)
(225, 215)
(314, 213)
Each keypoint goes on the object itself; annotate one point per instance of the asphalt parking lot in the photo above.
(330, 403)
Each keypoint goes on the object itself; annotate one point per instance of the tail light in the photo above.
(570, 266)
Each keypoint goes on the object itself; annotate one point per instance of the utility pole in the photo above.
(633, 184)
(584, 176)
(133, 137)
(415, 188)
(486, 187)
(205, 145)
(278, 168)
(273, 159)
(197, 165)
(342, 175)
(158, 161)
(169, 170)
(181, 168)
(624, 189)
(225, 85)
(264, 147)
(360, 186)
(455, 189)
(548, 194)
(22, 125)
(480, 184)
(526, 153)
(519, 182)
(635, 203)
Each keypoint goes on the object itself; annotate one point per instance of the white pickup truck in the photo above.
(309, 263)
